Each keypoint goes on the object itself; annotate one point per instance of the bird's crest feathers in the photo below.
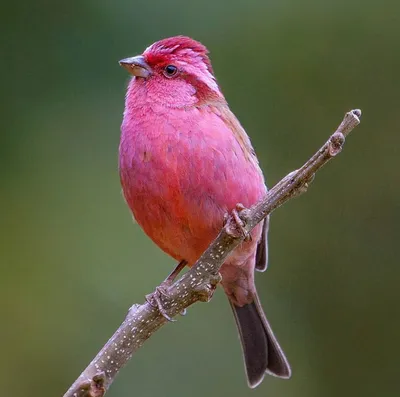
(179, 47)
(191, 58)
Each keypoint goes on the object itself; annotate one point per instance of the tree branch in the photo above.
(199, 283)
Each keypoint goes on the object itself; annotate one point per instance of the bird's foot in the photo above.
(239, 215)
(155, 300)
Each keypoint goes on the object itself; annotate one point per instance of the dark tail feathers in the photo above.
(261, 351)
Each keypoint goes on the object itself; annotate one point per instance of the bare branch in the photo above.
(199, 283)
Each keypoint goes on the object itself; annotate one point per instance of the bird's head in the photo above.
(175, 72)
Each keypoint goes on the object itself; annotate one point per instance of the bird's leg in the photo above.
(154, 299)
(239, 224)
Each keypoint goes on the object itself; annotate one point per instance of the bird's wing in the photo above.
(244, 142)
(238, 131)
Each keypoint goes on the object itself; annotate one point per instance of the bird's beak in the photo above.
(136, 66)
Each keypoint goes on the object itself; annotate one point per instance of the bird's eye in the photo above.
(170, 71)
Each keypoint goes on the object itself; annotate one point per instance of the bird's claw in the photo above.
(154, 299)
(239, 223)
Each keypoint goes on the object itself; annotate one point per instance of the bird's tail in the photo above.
(261, 351)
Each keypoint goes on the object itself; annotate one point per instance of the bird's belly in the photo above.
(179, 186)
(179, 220)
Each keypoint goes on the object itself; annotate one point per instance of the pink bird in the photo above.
(184, 162)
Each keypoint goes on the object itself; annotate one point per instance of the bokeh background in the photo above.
(72, 261)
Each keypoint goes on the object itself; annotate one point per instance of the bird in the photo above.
(184, 162)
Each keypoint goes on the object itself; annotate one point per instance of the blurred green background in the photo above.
(72, 261)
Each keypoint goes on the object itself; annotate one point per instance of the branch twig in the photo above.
(198, 284)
